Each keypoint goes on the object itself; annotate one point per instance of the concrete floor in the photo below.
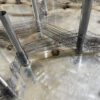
(58, 78)
(68, 77)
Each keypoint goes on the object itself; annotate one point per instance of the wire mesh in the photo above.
(69, 38)
(40, 45)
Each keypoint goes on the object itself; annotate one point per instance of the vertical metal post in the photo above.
(86, 11)
(18, 1)
(37, 17)
(22, 57)
(7, 90)
(45, 7)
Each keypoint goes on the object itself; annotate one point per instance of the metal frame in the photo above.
(86, 11)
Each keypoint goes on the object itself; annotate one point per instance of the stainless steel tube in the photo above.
(22, 57)
(7, 89)
(45, 7)
(86, 11)
(37, 16)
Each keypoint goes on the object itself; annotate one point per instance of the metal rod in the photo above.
(7, 89)
(18, 1)
(22, 57)
(45, 7)
(37, 16)
(86, 11)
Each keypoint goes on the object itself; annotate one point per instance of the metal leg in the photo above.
(86, 11)
(7, 90)
(22, 57)
(45, 7)
(37, 17)
(18, 1)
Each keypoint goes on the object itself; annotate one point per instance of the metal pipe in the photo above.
(7, 90)
(18, 1)
(45, 7)
(86, 11)
(37, 16)
(22, 57)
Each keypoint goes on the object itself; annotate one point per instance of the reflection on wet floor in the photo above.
(74, 78)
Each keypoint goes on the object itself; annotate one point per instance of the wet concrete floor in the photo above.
(72, 78)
